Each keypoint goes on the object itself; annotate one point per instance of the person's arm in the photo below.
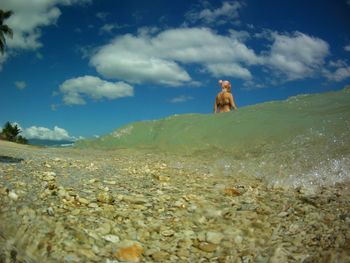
(232, 102)
(216, 105)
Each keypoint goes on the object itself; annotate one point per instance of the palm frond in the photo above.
(2, 47)
(4, 15)
(6, 30)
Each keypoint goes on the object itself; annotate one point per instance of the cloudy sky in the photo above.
(85, 67)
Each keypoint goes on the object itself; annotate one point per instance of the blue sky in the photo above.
(83, 67)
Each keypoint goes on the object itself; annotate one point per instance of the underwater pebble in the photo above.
(214, 237)
(13, 195)
(121, 210)
(111, 238)
(130, 253)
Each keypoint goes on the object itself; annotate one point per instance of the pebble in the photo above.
(160, 256)
(111, 238)
(13, 195)
(131, 253)
(104, 229)
(167, 233)
(105, 197)
(83, 201)
(120, 209)
(214, 237)
(135, 199)
(207, 247)
(50, 211)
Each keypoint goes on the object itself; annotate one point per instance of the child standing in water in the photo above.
(224, 101)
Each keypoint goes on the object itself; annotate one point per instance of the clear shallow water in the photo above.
(302, 141)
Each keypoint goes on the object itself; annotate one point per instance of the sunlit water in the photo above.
(302, 141)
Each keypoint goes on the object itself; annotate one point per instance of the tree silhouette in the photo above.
(11, 133)
(4, 29)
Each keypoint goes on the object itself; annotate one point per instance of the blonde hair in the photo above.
(225, 84)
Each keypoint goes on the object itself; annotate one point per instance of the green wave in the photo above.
(301, 138)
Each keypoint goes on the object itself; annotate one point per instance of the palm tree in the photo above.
(10, 132)
(4, 29)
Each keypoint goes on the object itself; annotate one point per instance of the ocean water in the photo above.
(303, 141)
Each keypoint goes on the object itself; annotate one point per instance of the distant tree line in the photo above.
(10, 132)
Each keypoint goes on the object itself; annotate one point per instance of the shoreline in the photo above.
(71, 205)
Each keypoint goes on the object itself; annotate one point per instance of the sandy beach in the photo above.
(71, 205)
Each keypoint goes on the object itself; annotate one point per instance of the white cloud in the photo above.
(347, 48)
(57, 134)
(102, 15)
(74, 90)
(161, 58)
(340, 74)
(109, 28)
(20, 84)
(239, 35)
(29, 17)
(181, 99)
(298, 55)
(227, 13)
(338, 63)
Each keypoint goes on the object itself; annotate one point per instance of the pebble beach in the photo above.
(124, 205)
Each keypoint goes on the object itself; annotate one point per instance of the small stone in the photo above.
(214, 237)
(130, 253)
(110, 182)
(283, 214)
(167, 233)
(50, 211)
(183, 253)
(50, 173)
(232, 192)
(280, 255)
(161, 178)
(238, 239)
(135, 199)
(179, 204)
(75, 212)
(93, 205)
(88, 253)
(160, 256)
(13, 195)
(105, 197)
(104, 229)
(91, 181)
(48, 178)
(83, 201)
(207, 247)
(111, 238)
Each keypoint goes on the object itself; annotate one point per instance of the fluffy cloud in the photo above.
(340, 70)
(228, 12)
(229, 70)
(109, 28)
(57, 134)
(160, 58)
(341, 74)
(29, 16)
(181, 99)
(347, 48)
(74, 90)
(297, 56)
(20, 84)
(102, 15)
